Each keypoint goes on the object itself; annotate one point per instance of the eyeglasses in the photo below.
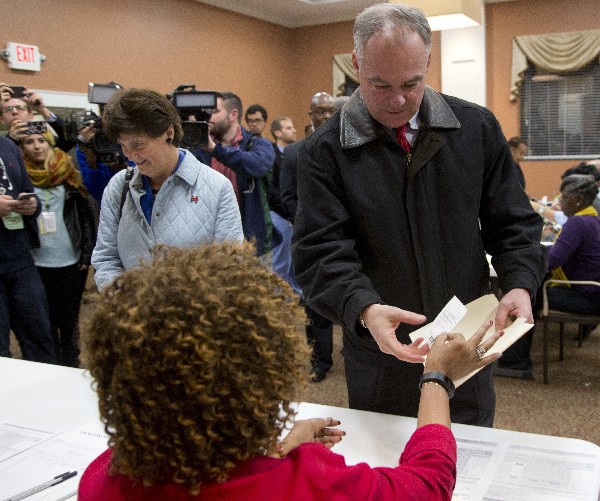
(8, 109)
(254, 120)
(323, 111)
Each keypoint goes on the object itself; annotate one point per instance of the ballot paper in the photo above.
(446, 320)
(71, 450)
(505, 471)
(16, 438)
(476, 313)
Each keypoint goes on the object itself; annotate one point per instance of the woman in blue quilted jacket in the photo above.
(169, 197)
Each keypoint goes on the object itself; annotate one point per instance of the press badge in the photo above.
(47, 223)
(13, 221)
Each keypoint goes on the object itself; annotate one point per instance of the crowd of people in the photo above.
(208, 258)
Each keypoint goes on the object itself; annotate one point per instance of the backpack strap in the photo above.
(128, 176)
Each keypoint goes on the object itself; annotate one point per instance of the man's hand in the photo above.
(88, 132)
(516, 303)
(26, 207)
(5, 92)
(36, 103)
(7, 205)
(383, 320)
(18, 130)
(210, 144)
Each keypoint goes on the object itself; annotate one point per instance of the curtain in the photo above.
(342, 69)
(554, 52)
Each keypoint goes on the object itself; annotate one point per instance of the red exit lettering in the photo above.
(25, 54)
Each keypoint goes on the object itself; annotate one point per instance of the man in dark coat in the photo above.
(400, 195)
(23, 303)
(319, 331)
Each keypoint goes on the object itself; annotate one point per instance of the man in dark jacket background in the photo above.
(319, 330)
(23, 303)
(400, 195)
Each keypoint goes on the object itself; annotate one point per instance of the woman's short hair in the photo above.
(387, 17)
(141, 111)
(196, 358)
(581, 184)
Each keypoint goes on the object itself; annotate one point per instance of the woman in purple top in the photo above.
(576, 253)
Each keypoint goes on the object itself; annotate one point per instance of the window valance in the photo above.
(553, 52)
(342, 69)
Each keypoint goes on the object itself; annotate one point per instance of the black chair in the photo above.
(564, 317)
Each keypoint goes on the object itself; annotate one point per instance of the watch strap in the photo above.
(441, 379)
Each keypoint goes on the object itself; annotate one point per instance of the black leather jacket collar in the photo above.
(358, 127)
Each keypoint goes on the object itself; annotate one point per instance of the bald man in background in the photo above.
(319, 331)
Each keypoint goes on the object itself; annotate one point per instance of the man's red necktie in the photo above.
(401, 139)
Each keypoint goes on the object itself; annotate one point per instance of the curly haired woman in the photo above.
(196, 359)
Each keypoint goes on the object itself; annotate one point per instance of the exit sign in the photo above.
(23, 57)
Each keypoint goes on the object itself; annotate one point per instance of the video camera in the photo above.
(199, 105)
(106, 150)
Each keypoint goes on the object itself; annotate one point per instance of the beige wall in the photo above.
(150, 43)
(162, 43)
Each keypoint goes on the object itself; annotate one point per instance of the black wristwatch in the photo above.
(439, 378)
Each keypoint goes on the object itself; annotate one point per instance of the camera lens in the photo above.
(195, 134)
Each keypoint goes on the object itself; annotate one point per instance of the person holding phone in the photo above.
(23, 304)
(67, 238)
(20, 108)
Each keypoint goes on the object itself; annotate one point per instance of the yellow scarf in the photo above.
(559, 273)
(58, 169)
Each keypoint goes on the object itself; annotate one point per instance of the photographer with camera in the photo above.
(19, 106)
(246, 160)
(96, 174)
(99, 159)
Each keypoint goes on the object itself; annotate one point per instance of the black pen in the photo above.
(56, 480)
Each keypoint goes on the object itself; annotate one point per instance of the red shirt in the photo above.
(427, 471)
(226, 171)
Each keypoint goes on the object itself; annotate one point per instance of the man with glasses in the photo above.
(322, 108)
(319, 331)
(17, 111)
(256, 118)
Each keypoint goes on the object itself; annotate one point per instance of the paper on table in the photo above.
(504, 471)
(480, 311)
(15, 438)
(69, 451)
